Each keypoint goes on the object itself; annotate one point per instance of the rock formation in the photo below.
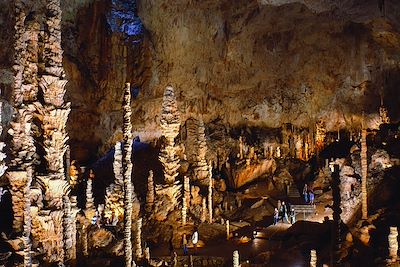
(114, 202)
(201, 172)
(364, 169)
(127, 167)
(393, 244)
(210, 195)
(170, 123)
(138, 239)
(236, 262)
(150, 192)
(313, 258)
(89, 193)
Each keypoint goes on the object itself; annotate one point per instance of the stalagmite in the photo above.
(114, 202)
(138, 239)
(336, 229)
(364, 167)
(184, 203)
(127, 172)
(186, 188)
(150, 192)
(227, 230)
(236, 259)
(201, 171)
(73, 174)
(27, 219)
(89, 193)
(313, 258)
(210, 192)
(393, 244)
(240, 147)
(3, 166)
(383, 113)
(203, 210)
(170, 123)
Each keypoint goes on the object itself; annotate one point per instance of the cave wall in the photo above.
(260, 63)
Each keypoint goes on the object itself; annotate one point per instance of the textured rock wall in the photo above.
(261, 63)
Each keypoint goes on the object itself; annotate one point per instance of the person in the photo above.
(292, 216)
(185, 249)
(311, 194)
(305, 193)
(283, 212)
(195, 240)
(95, 218)
(276, 216)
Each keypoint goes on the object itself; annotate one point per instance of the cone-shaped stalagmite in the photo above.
(210, 202)
(393, 244)
(364, 167)
(127, 172)
(170, 123)
(236, 261)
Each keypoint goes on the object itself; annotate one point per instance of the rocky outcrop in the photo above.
(247, 173)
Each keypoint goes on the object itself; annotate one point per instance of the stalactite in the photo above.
(170, 123)
(27, 219)
(236, 262)
(138, 239)
(364, 167)
(89, 193)
(150, 192)
(203, 210)
(127, 172)
(393, 244)
(210, 192)
(313, 258)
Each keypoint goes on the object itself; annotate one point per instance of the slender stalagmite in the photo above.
(393, 244)
(203, 210)
(236, 259)
(210, 203)
(127, 172)
(27, 219)
(313, 258)
(138, 238)
(227, 230)
(364, 167)
(150, 192)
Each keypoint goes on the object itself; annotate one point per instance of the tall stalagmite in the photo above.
(150, 192)
(364, 168)
(201, 169)
(127, 172)
(170, 123)
(114, 202)
(138, 239)
(210, 192)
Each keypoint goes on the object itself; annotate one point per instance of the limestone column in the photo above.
(364, 169)
(127, 172)
(170, 123)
